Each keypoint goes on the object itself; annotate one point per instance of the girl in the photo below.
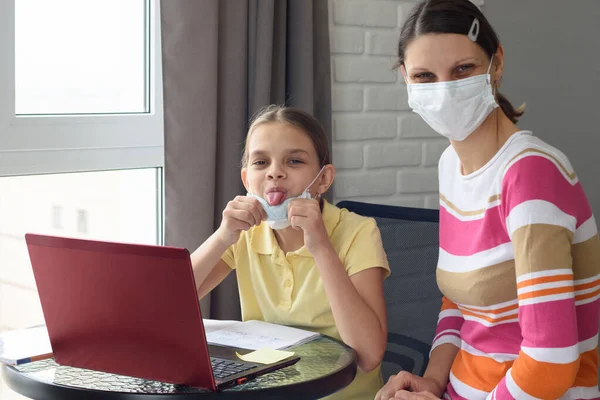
(519, 255)
(300, 260)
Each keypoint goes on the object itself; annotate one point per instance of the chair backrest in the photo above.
(410, 239)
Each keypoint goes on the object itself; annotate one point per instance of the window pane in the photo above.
(80, 56)
(113, 205)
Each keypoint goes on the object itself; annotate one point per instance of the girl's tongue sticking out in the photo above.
(275, 198)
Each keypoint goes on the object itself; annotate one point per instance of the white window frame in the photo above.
(73, 143)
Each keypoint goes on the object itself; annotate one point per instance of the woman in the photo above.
(519, 251)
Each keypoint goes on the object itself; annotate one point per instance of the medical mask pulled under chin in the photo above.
(454, 109)
(277, 217)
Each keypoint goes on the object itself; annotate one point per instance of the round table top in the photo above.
(325, 367)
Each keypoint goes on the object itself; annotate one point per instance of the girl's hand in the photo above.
(306, 215)
(241, 214)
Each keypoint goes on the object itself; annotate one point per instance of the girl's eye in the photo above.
(294, 161)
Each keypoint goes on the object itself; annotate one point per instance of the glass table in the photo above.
(325, 367)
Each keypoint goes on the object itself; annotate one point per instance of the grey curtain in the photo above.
(222, 61)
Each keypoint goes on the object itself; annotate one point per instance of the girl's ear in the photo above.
(244, 174)
(325, 180)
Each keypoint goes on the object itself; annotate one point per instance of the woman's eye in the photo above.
(423, 76)
(464, 68)
(259, 162)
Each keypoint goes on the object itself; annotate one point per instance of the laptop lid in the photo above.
(122, 308)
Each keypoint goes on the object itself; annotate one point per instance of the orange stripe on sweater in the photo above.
(514, 307)
(545, 279)
(550, 381)
(587, 375)
(489, 319)
(545, 292)
(479, 372)
(448, 305)
(587, 295)
(589, 285)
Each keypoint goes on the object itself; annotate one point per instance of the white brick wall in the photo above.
(384, 153)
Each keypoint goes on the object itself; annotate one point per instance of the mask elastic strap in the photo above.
(489, 76)
(309, 185)
(491, 62)
(314, 180)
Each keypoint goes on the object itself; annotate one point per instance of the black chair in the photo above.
(410, 239)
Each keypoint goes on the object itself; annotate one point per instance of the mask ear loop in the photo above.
(473, 35)
(314, 180)
(489, 77)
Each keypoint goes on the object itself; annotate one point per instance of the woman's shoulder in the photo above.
(528, 152)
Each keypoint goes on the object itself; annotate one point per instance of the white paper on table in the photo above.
(25, 345)
(254, 335)
(211, 325)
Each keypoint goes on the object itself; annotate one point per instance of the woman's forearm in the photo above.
(440, 364)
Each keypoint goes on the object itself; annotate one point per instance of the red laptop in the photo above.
(130, 310)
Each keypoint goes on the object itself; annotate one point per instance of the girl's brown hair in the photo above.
(298, 118)
(454, 16)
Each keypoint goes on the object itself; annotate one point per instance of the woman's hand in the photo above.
(405, 395)
(240, 214)
(306, 215)
(398, 387)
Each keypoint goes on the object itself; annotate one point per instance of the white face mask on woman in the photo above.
(454, 109)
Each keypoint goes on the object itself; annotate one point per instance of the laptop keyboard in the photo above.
(223, 368)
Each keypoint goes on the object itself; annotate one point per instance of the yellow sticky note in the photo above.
(265, 356)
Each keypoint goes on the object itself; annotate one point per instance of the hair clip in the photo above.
(474, 31)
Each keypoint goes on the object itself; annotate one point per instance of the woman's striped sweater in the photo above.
(519, 268)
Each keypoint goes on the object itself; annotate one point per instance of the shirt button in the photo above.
(288, 283)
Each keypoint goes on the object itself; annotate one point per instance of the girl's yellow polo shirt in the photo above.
(287, 288)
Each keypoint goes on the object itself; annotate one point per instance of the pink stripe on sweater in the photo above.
(504, 338)
(453, 395)
(449, 323)
(486, 233)
(537, 178)
(587, 320)
(502, 392)
(550, 324)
